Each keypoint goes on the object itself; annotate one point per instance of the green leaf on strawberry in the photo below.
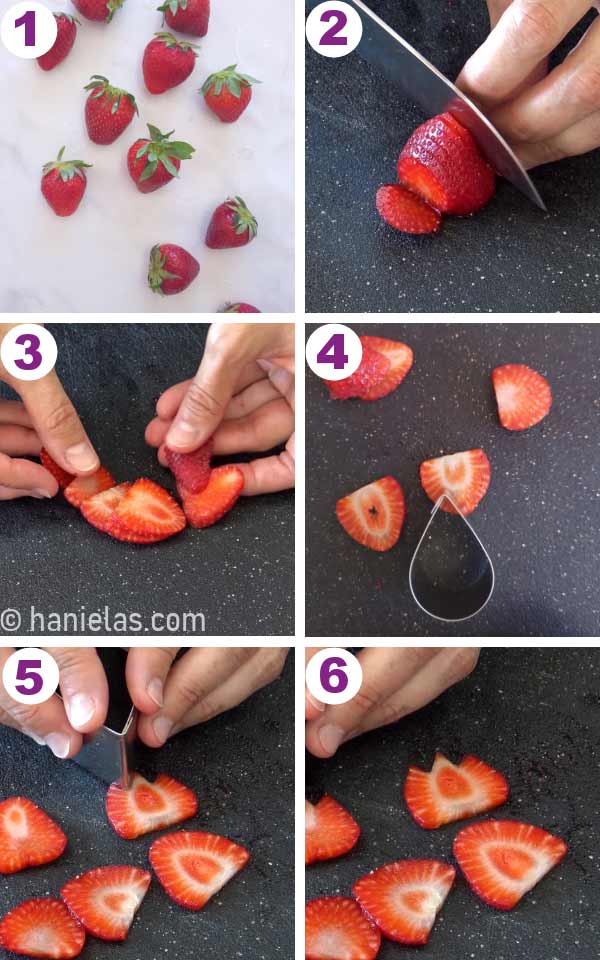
(66, 169)
(103, 88)
(160, 149)
(228, 78)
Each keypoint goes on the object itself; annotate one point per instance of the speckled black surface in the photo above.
(539, 520)
(534, 714)
(509, 257)
(241, 765)
(52, 559)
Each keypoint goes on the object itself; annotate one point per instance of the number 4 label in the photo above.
(333, 675)
(333, 351)
(334, 29)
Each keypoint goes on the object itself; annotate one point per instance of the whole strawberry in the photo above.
(232, 225)
(65, 38)
(63, 184)
(153, 163)
(98, 9)
(228, 93)
(171, 269)
(108, 110)
(167, 62)
(187, 16)
(240, 308)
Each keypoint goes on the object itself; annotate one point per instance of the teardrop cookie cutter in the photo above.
(110, 754)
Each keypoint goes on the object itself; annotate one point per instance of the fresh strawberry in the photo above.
(99, 9)
(452, 792)
(108, 110)
(330, 831)
(105, 900)
(171, 269)
(464, 476)
(240, 308)
(218, 497)
(232, 225)
(442, 163)
(187, 16)
(401, 360)
(153, 163)
(81, 488)
(523, 396)
(42, 928)
(100, 512)
(192, 866)
(403, 898)
(28, 836)
(167, 62)
(373, 515)
(62, 46)
(366, 380)
(64, 183)
(61, 476)
(191, 470)
(405, 211)
(228, 93)
(337, 929)
(503, 859)
(147, 807)
(148, 510)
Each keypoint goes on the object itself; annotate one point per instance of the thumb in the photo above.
(205, 402)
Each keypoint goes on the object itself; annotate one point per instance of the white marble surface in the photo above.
(96, 260)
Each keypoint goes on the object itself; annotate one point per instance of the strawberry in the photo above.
(148, 510)
(81, 488)
(147, 807)
(337, 929)
(28, 836)
(171, 269)
(218, 497)
(64, 183)
(400, 357)
(99, 9)
(108, 110)
(167, 62)
(105, 900)
(464, 476)
(404, 210)
(330, 831)
(366, 380)
(373, 515)
(503, 859)
(61, 476)
(403, 898)
(231, 225)
(442, 163)
(153, 163)
(523, 396)
(100, 511)
(240, 308)
(452, 792)
(42, 928)
(187, 16)
(228, 93)
(62, 46)
(191, 470)
(192, 866)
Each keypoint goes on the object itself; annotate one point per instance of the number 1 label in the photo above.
(28, 29)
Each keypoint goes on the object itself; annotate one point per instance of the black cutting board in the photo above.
(540, 519)
(509, 257)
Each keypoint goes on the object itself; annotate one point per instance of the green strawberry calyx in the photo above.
(229, 78)
(172, 6)
(66, 169)
(111, 8)
(103, 90)
(172, 43)
(157, 272)
(242, 218)
(160, 149)
(67, 16)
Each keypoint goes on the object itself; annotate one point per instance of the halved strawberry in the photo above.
(224, 487)
(452, 792)
(192, 470)
(61, 476)
(464, 476)
(337, 929)
(146, 807)
(366, 380)
(100, 511)
(405, 211)
(503, 859)
(373, 515)
(401, 360)
(523, 396)
(330, 831)
(28, 836)
(148, 510)
(403, 898)
(192, 866)
(42, 928)
(81, 488)
(105, 900)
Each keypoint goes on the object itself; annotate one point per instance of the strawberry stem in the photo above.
(229, 78)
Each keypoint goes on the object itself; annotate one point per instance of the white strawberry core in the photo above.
(457, 473)
(423, 902)
(332, 943)
(310, 816)
(15, 823)
(217, 871)
(120, 902)
(500, 855)
(507, 395)
(42, 940)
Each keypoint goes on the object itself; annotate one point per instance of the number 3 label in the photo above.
(333, 675)
(334, 29)
(333, 351)
(28, 351)
(30, 675)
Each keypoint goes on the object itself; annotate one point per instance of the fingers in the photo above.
(312, 707)
(83, 686)
(496, 9)
(18, 441)
(13, 412)
(580, 138)
(263, 429)
(23, 478)
(269, 474)
(146, 672)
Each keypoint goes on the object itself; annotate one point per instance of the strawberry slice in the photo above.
(42, 928)
(192, 866)
(148, 510)
(192, 470)
(366, 380)
(105, 900)
(452, 792)
(503, 859)
(100, 511)
(28, 836)
(400, 357)
(330, 831)
(373, 515)
(146, 807)
(404, 898)
(523, 396)
(61, 476)
(405, 211)
(337, 929)
(224, 487)
(464, 476)
(82, 488)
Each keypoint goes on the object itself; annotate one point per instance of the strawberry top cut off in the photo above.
(330, 830)
(452, 792)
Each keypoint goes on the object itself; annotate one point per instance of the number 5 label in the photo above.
(28, 351)
(334, 29)
(333, 675)
(30, 675)
(333, 351)
(28, 29)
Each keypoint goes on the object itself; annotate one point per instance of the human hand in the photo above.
(544, 116)
(243, 393)
(396, 681)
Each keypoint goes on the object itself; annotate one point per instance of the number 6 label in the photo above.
(28, 29)
(28, 351)
(333, 351)
(30, 675)
(333, 675)
(334, 29)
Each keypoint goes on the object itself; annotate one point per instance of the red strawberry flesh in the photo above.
(191, 470)
(42, 928)
(465, 477)
(105, 900)
(149, 510)
(147, 807)
(452, 792)
(337, 929)
(403, 210)
(192, 866)
(81, 488)
(28, 836)
(373, 515)
(523, 396)
(218, 497)
(61, 476)
(330, 831)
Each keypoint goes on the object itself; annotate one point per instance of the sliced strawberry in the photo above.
(337, 929)
(28, 836)
(464, 476)
(330, 831)
(453, 792)
(503, 859)
(405, 211)
(105, 900)
(148, 510)
(400, 357)
(192, 866)
(61, 476)
(366, 380)
(192, 470)
(42, 928)
(224, 487)
(373, 515)
(523, 396)
(81, 488)
(403, 898)
(100, 511)
(146, 807)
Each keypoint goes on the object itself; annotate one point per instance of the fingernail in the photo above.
(39, 740)
(82, 457)
(330, 737)
(162, 727)
(155, 691)
(265, 365)
(315, 703)
(81, 709)
(182, 433)
(41, 494)
(59, 743)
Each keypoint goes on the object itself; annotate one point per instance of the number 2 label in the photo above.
(334, 29)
